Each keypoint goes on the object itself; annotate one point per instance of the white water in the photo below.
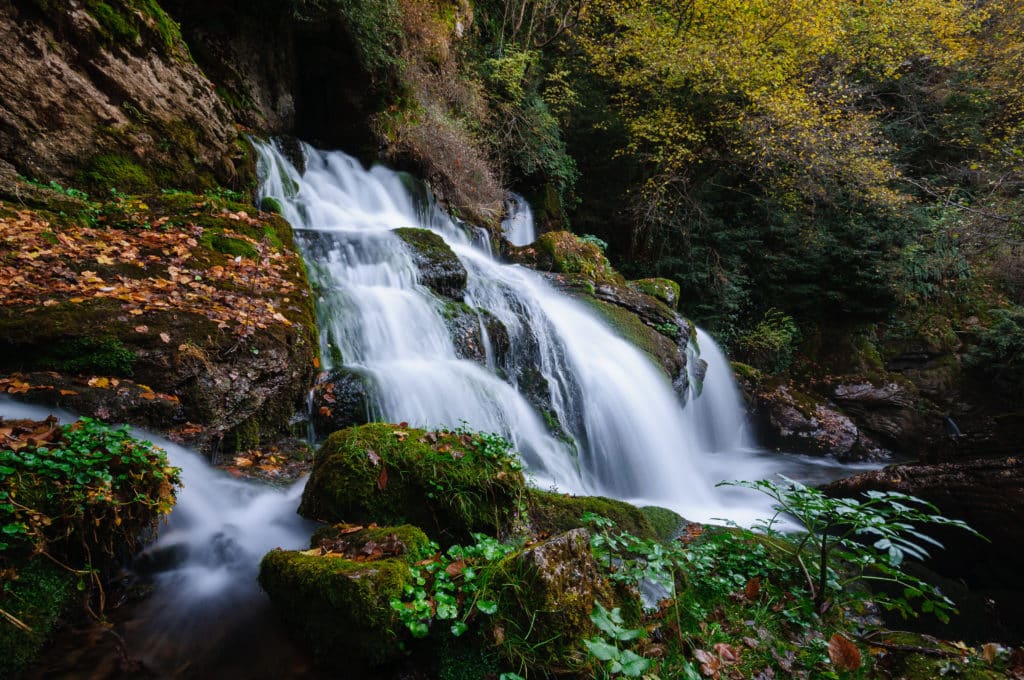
(623, 429)
(518, 226)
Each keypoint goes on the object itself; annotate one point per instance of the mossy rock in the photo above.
(565, 253)
(554, 513)
(948, 661)
(37, 598)
(450, 484)
(666, 523)
(404, 540)
(339, 607)
(114, 171)
(439, 267)
(665, 290)
(545, 594)
(662, 349)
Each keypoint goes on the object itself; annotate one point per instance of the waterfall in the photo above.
(518, 226)
(589, 412)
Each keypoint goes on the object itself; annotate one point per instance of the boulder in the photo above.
(449, 483)
(797, 422)
(174, 311)
(546, 593)
(439, 268)
(553, 513)
(339, 607)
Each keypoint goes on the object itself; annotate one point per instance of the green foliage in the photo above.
(999, 352)
(849, 542)
(770, 345)
(595, 241)
(451, 586)
(374, 26)
(92, 493)
(618, 661)
(54, 186)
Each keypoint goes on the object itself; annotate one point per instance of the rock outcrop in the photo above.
(110, 99)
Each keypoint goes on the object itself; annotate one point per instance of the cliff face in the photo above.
(106, 95)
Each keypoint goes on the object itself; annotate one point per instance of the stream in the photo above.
(617, 425)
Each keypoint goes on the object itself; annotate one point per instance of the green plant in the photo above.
(999, 353)
(595, 241)
(771, 345)
(618, 661)
(451, 586)
(54, 186)
(848, 542)
(90, 494)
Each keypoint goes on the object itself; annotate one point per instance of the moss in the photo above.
(545, 594)
(415, 543)
(631, 327)
(747, 372)
(439, 267)
(665, 290)
(464, 661)
(666, 523)
(909, 666)
(37, 598)
(449, 484)
(571, 255)
(230, 246)
(105, 355)
(340, 608)
(270, 204)
(114, 171)
(554, 513)
(121, 21)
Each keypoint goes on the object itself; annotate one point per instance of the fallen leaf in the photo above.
(382, 478)
(165, 337)
(372, 455)
(990, 652)
(241, 461)
(753, 589)
(844, 654)
(101, 383)
(142, 329)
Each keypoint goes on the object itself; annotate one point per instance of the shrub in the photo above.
(772, 343)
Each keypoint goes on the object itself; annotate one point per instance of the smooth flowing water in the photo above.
(589, 412)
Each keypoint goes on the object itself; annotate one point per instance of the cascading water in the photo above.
(518, 226)
(613, 423)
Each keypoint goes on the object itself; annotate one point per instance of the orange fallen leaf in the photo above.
(844, 654)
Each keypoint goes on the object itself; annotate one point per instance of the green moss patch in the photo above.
(554, 513)
(448, 483)
(665, 290)
(340, 607)
(114, 171)
(37, 599)
(666, 523)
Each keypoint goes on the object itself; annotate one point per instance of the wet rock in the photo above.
(340, 400)
(665, 290)
(890, 412)
(439, 268)
(797, 422)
